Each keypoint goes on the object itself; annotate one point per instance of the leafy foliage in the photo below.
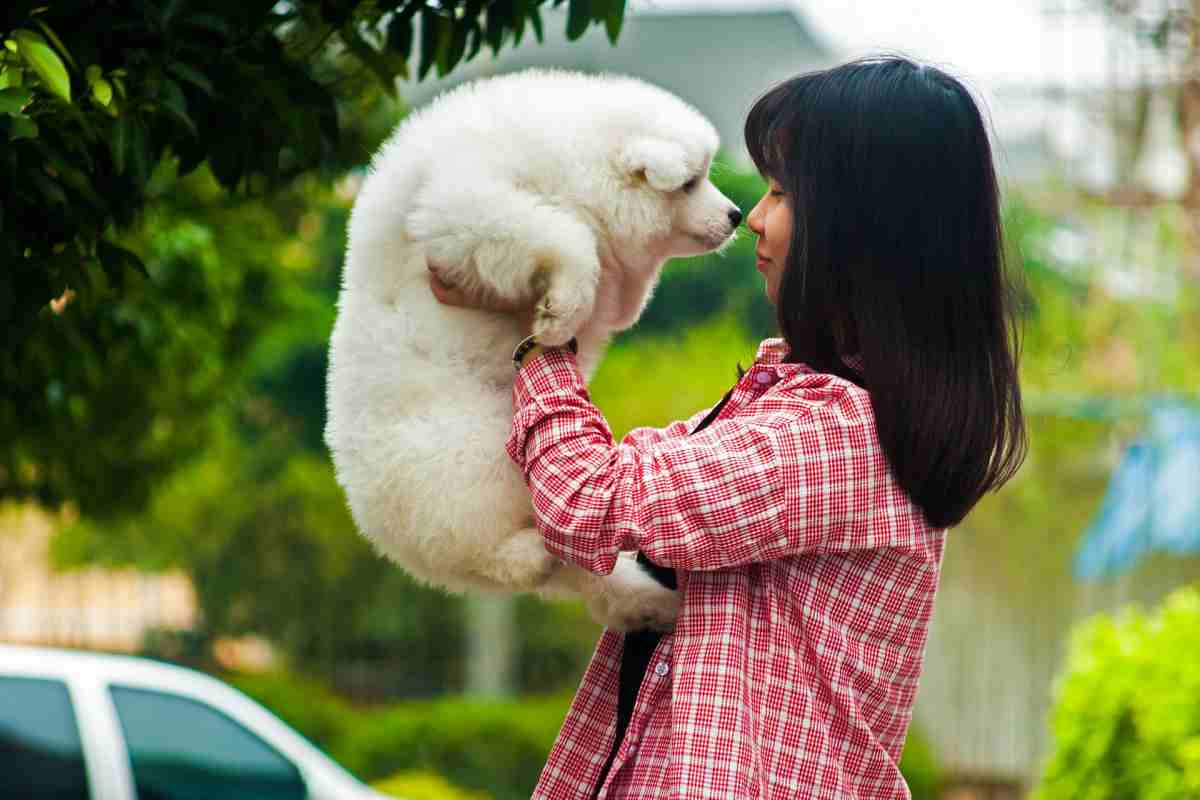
(425, 785)
(1126, 721)
(119, 388)
(98, 118)
(496, 746)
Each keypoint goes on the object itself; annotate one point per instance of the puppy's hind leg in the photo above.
(512, 244)
(520, 562)
(627, 599)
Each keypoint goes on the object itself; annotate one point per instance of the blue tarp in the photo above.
(1153, 500)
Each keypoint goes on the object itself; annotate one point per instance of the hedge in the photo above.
(1126, 717)
(494, 746)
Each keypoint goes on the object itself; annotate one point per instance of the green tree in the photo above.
(112, 350)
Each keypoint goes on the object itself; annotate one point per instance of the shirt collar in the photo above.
(771, 352)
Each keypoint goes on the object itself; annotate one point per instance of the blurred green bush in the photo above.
(481, 745)
(919, 766)
(1126, 718)
(487, 745)
(421, 785)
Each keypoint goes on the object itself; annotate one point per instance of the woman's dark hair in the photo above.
(897, 255)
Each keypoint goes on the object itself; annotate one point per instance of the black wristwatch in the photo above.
(526, 345)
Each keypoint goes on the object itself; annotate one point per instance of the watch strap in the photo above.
(529, 342)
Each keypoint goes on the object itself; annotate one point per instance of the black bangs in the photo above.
(770, 116)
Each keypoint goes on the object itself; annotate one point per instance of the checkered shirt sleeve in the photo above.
(752, 488)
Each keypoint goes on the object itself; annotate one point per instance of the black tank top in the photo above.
(639, 645)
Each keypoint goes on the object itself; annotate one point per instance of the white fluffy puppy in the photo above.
(547, 186)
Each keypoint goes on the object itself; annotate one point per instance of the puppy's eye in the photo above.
(691, 184)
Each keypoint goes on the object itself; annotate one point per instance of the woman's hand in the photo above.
(454, 296)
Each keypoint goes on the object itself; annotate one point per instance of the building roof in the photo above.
(719, 61)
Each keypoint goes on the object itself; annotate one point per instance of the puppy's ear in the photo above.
(662, 163)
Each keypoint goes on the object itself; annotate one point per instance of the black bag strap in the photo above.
(715, 411)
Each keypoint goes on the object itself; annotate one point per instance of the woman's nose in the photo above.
(753, 222)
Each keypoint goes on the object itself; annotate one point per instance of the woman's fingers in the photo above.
(444, 292)
(456, 296)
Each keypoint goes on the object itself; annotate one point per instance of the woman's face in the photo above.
(771, 222)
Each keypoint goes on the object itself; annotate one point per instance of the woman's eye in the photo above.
(776, 193)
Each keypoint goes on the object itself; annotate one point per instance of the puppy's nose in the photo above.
(735, 217)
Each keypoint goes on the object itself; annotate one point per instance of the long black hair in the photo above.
(897, 255)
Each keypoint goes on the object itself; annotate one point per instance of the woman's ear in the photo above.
(661, 163)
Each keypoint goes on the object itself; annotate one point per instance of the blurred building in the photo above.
(93, 608)
(719, 61)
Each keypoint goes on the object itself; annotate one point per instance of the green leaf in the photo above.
(119, 147)
(579, 14)
(93, 73)
(131, 148)
(22, 128)
(50, 190)
(431, 37)
(192, 75)
(613, 19)
(450, 55)
(13, 100)
(102, 90)
(9, 77)
(370, 57)
(518, 21)
(74, 179)
(476, 40)
(535, 17)
(175, 103)
(399, 38)
(49, 67)
(494, 26)
(138, 155)
(116, 260)
(57, 42)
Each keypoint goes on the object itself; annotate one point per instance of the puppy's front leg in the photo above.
(516, 246)
(564, 281)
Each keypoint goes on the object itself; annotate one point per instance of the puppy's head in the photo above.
(669, 205)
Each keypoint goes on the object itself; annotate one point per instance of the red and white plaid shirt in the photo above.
(807, 579)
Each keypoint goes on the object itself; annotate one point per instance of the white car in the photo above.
(104, 727)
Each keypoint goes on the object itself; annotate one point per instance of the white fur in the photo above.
(545, 184)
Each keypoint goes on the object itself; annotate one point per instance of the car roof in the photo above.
(65, 664)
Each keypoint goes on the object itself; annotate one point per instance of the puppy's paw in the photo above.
(630, 600)
(562, 312)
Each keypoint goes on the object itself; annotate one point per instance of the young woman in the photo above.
(803, 518)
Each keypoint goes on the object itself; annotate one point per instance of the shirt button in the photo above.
(631, 749)
(661, 669)
(764, 378)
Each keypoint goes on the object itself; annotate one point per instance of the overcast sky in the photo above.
(994, 43)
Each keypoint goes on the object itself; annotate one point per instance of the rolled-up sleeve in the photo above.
(800, 475)
(704, 501)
